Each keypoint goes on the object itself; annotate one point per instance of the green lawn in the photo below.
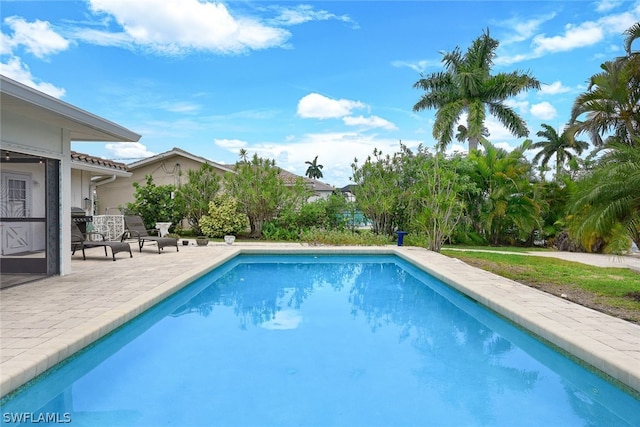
(612, 290)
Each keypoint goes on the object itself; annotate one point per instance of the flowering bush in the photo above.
(224, 217)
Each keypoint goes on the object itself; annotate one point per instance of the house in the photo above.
(171, 168)
(349, 192)
(320, 189)
(36, 194)
(168, 168)
(87, 174)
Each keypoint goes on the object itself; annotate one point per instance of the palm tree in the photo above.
(503, 207)
(560, 146)
(611, 106)
(467, 86)
(314, 171)
(607, 203)
(632, 33)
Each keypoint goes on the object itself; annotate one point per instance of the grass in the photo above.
(499, 248)
(614, 291)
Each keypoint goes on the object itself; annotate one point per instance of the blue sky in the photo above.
(293, 80)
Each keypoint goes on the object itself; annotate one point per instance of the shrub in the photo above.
(316, 236)
(224, 217)
(154, 203)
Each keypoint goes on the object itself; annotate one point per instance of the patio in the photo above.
(45, 321)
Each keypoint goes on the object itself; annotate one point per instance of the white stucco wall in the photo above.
(24, 135)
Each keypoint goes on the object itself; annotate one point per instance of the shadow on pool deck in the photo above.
(45, 321)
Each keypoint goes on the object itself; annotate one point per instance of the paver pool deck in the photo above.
(44, 322)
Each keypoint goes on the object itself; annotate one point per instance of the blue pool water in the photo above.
(321, 341)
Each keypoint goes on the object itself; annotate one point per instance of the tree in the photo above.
(610, 108)
(202, 186)
(156, 204)
(505, 210)
(558, 146)
(261, 192)
(467, 86)
(377, 190)
(605, 207)
(436, 206)
(314, 171)
(607, 202)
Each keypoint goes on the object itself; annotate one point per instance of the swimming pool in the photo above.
(322, 340)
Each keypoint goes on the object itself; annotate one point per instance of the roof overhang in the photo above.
(82, 126)
(177, 152)
(96, 170)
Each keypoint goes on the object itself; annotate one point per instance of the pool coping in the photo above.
(608, 344)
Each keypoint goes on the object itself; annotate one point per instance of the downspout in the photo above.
(94, 185)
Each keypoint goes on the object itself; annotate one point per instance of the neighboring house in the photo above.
(320, 189)
(36, 197)
(168, 168)
(349, 192)
(87, 174)
(171, 168)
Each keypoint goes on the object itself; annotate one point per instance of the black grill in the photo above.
(78, 216)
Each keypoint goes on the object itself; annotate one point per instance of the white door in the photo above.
(15, 202)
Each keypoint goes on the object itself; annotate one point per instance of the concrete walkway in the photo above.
(44, 322)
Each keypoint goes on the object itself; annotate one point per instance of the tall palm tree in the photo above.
(467, 86)
(610, 108)
(314, 171)
(556, 145)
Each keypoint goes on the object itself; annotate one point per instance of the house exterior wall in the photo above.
(80, 187)
(25, 135)
(171, 170)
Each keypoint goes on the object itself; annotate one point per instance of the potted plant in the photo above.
(202, 240)
(229, 239)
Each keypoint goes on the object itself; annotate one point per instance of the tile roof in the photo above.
(97, 161)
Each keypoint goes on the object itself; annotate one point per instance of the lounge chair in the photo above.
(79, 241)
(135, 229)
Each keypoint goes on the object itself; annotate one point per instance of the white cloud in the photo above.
(305, 13)
(519, 103)
(616, 24)
(179, 26)
(521, 30)
(180, 107)
(369, 122)
(6, 47)
(575, 36)
(552, 89)
(607, 5)
(335, 149)
(38, 37)
(497, 132)
(418, 66)
(233, 145)
(316, 106)
(543, 111)
(102, 38)
(16, 70)
(128, 150)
